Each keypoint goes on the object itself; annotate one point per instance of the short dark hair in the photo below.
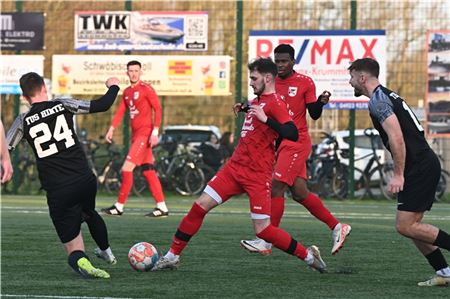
(263, 66)
(285, 48)
(368, 65)
(134, 62)
(31, 83)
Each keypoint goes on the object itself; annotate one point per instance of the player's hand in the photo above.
(325, 97)
(396, 184)
(236, 108)
(109, 135)
(7, 171)
(112, 81)
(258, 112)
(153, 140)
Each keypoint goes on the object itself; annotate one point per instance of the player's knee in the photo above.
(147, 166)
(403, 229)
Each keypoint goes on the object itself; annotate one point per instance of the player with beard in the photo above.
(299, 93)
(249, 170)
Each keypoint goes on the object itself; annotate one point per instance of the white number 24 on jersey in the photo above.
(61, 132)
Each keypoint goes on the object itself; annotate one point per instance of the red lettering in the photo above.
(345, 52)
(326, 47)
(285, 41)
(368, 48)
(263, 48)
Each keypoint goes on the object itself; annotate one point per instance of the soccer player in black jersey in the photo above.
(64, 173)
(416, 166)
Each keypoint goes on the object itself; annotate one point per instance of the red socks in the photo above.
(282, 240)
(315, 206)
(154, 184)
(188, 227)
(125, 187)
(277, 210)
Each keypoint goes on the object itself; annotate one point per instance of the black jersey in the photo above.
(48, 127)
(385, 102)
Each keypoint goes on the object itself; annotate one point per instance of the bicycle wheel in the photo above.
(341, 183)
(178, 180)
(378, 181)
(195, 181)
(441, 190)
(112, 179)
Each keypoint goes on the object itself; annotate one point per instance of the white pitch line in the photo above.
(305, 214)
(63, 297)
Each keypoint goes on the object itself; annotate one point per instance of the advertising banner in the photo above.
(437, 102)
(325, 56)
(141, 30)
(12, 67)
(22, 31)
(169, 75)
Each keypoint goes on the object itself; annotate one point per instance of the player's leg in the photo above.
(218, 190)
(260, 213)
(96, 224)
(134, 157)
(154, 185)
(277, 209)
(65, 212)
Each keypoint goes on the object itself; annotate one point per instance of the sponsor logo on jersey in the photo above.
(136, 95)
(292, 92)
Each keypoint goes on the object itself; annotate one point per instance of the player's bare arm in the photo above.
(398, 150)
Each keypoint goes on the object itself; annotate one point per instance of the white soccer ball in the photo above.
(142, 256)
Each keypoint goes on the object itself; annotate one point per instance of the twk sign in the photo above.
(325, 57)
(103, 26)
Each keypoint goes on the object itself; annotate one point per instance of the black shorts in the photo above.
(67, 205)
(420, 184)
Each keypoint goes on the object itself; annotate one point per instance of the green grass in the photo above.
(375, 263)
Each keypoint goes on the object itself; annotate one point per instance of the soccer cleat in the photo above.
(257, 246)
(157, 213)
(318, 263)
(86, 269)
(339, 237)
(112, 210)
(108, 257)
(165, 264)
(435, 281)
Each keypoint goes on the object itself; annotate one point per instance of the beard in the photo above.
(259, 91)
(357, 92)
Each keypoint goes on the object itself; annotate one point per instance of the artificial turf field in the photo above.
(375, 262)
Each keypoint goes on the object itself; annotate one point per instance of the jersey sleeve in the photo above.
(278, 111)
(381, 107)
(119, 113)
(15, 133)
(75, 106)
(152, 97)
(310, 94)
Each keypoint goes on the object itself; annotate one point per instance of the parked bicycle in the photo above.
(441, 190)
(378, 174)
(105, 162)
(178, 169)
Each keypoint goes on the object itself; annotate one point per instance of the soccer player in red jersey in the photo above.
(145, 111)
(249, 170)
(299, 93)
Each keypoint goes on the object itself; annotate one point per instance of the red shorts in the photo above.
(291, 160)
(140, 151)
(234, 179)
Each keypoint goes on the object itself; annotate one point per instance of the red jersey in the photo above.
(256, 147)
(297, 91)
(141, 101)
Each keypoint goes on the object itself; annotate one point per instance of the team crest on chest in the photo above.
(292, 92)
(136, 95)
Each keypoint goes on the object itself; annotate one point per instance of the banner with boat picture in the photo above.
(438, 82)
(176, 75)
(141, 30)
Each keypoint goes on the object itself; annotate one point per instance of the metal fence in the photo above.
(405, 22)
